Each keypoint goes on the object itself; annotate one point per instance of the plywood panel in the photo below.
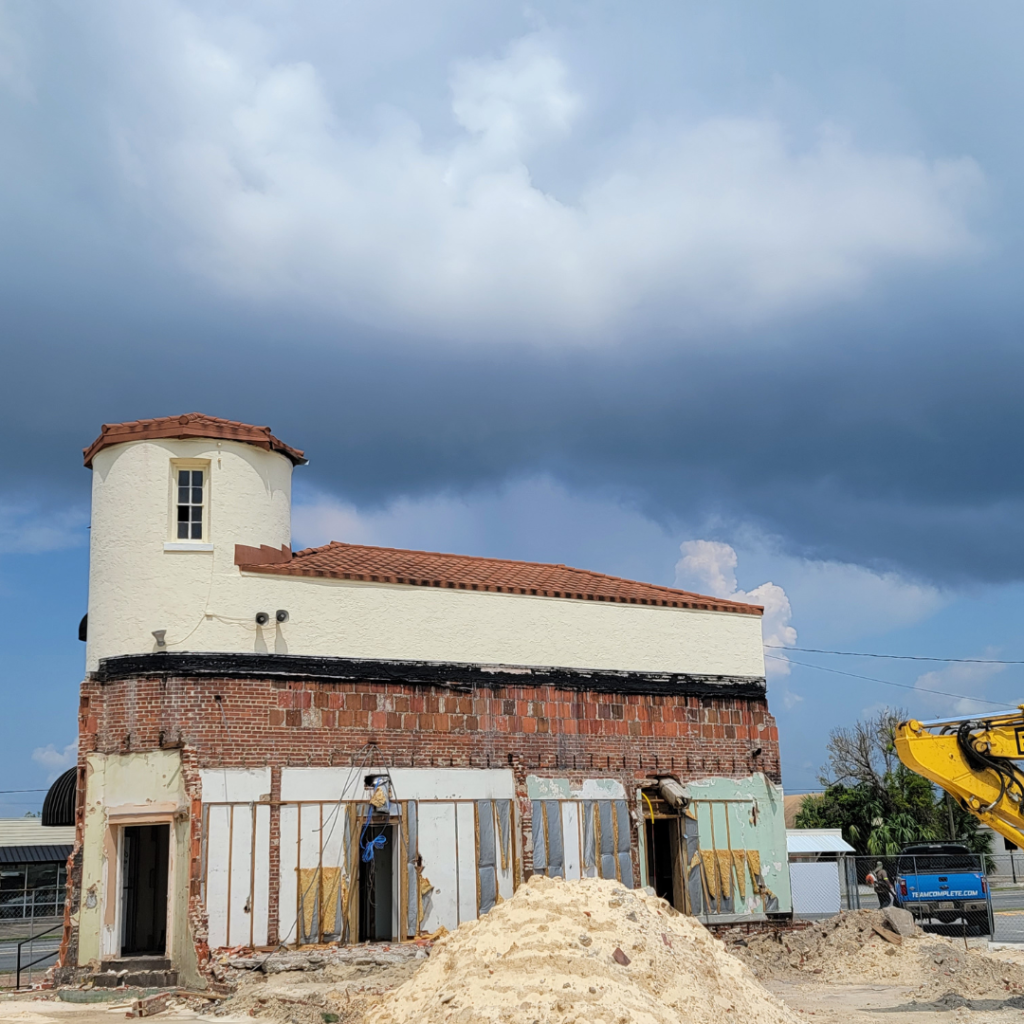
(437, 847)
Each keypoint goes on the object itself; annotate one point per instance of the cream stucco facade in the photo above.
(122, 790)
(142, 579)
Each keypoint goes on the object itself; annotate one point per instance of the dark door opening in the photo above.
(144, 890)
(376, 879)
(661, 855)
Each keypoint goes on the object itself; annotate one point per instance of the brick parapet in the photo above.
(261, 722)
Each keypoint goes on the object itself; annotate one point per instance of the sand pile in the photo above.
(847, 950)
(581, 951)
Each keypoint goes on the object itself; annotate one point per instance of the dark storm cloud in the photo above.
(877, 425)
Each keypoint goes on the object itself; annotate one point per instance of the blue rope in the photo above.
(375, 844)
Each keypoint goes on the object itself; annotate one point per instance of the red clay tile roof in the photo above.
(193, 424)
(463, 572)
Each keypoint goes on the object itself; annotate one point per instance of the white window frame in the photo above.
(174, 542)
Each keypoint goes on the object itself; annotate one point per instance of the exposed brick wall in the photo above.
(260, 722)
(544, 730)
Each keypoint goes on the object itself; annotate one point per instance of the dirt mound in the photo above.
(586, 950)
(848, 950)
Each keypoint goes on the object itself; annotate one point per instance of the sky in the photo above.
(718, 296)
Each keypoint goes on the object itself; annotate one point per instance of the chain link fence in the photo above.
(31, 923)
(824, 887)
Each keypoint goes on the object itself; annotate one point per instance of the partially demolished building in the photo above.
(355, 743)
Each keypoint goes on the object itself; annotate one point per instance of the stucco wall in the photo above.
(137, 585)
(127, 789)
(205, 603)
(741, 814)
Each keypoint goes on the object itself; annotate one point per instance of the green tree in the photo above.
(879, 803)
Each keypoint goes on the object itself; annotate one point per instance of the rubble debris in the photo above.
(317, 958)
(900, 921)
(858, 947)
(524, 962)
(884, 933)
(151, 1005)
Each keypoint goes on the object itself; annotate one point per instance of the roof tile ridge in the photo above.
(541, 565)
(314, 551)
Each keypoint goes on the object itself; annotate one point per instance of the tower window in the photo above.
(190, 504)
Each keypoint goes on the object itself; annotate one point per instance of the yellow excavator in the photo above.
(972, 759)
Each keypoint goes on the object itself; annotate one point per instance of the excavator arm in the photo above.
(973, 760)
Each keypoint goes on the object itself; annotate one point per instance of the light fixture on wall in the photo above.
(262, 618)
(281, 615)
(161, 637)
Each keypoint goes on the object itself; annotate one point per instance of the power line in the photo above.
(24, 791)
(896, 657)
(889, 682)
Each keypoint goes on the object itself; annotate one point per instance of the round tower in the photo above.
(171, 500)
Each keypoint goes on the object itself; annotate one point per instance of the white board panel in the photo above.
(815, 887)
(286, 884)
(217, 874)
(571, 839)
(261, 890)
(328, 784)
(241, 868)
(331, 784)
(437, 848)
(234, 785)
(467, 862)
(236, 899)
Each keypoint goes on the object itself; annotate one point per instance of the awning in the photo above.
(816, 840)
(35, 854)
(59, 805)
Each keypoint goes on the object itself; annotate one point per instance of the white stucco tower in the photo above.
(171, 499)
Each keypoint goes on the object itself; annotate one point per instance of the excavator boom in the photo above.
(973, 760)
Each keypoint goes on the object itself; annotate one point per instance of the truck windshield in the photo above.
(938, 863)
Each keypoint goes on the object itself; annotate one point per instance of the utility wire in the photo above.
(24, 790)
(889, 682)
(896, 657)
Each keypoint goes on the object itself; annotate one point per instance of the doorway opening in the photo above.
(661, 855)
(376, 885)
(144, 859)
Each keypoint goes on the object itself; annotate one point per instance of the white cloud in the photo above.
(966, 679)
(709, 567)
(25, 528)
(846, 603)
(266, 188)
(56, 761)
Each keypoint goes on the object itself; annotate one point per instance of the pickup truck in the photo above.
(945, 882)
